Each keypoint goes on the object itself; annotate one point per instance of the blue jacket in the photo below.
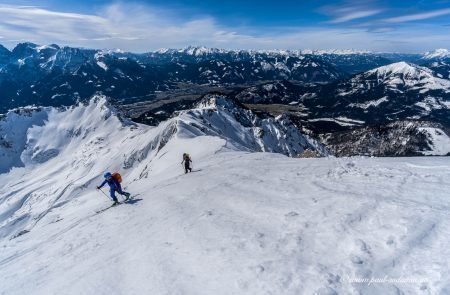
(114, 185)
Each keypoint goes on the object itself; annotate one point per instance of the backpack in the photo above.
(117, 177)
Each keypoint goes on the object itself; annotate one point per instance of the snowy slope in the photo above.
(242, 223)
(13, 128)
(70, 141)
(441, 68)
(440, 141)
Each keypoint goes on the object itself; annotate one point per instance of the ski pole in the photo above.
(103, 193)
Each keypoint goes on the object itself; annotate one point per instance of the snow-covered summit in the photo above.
(402, 67)
(201, 50)
(394, 92)
(216, 100)
(437, 54)
(410, 75)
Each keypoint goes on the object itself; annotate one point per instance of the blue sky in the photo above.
(377, 25)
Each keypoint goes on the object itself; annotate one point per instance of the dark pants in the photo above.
(112, 193)
(187, 168)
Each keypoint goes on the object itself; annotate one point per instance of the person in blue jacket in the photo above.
(114, 186)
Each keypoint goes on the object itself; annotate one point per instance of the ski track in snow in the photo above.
(243, 223)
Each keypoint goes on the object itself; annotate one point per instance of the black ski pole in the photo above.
(103, 193)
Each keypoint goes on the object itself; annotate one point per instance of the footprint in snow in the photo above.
(363, 247)
(390, 241)
(261, 238)
(291, 215)
(356, 259)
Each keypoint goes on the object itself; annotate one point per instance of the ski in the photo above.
(104, 209)
(125, 201)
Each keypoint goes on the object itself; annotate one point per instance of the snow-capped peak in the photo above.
(437, 54)
(201, 50)
(404, 68)
(335, 52)
(406, 75)
(99, 57)
(53, 47)
(215, 100)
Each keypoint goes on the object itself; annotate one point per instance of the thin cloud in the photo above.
(30, 11)
(418, 16)
(381, 30)
(349, 10)
(34, 24)
(354, 15)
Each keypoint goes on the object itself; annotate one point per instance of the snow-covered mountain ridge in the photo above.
(243, 222)
(202, 50)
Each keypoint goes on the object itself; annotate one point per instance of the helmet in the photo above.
(107, 175)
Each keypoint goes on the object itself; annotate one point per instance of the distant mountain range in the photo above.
(53, 75)
(323, 91)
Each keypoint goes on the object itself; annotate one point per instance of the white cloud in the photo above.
(36, 24)
(354, 15)
(418, 16)
(142, 28)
